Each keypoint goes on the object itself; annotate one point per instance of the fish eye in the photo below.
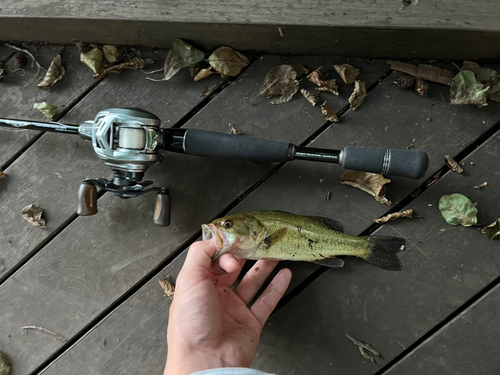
(227, 224)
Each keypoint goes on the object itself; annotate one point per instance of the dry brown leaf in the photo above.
(2, 74)
(358, 95)
(311, 98)
(209, 90)
(301, 70)
(281, 83)
(4, 364)
(453, 164)
(421, 86)
(34, 215)
(1, 174)
(135, 63)
(371, 183)
(93, 59)
(236, 131)
(228, 61)
(484, 184)
(492, 230)
(347, 72)
(110, 53)
(203, 73)
(54, 74)
(317, 77)
(328, 113)
(167, 287)
(427, 72)
(394, 216)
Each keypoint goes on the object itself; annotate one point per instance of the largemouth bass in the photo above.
(285, 236)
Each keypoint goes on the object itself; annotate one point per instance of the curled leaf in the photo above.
(34, 215)
(227, 61)
(394, 216)
(203, 73)
(484, 184)
(167, 287)
(347, 72)
(93, 59)
(181, 55)
(281, 83)
(317, 77)
(47, 109)
(365, 354)
(371, 183)
(328, 113)
(54, 74)
(427, 72)
(457, 209)
(310, 97)
(110, 53)
(454, 166)
(465, 89)
(493, 230)
(4, 364)
(358, 95)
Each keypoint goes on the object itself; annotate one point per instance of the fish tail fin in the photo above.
(383, 252)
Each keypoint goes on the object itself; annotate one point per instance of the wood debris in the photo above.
(394, 216)
(56, 335)
(310, 97)
(484, 184)
(328, 113)
(427, 72)
(454, 166)
(33, 214)
(167, 287)
(358, 96)
(363, 346)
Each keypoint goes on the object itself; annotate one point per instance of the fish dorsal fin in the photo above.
(330, 223)
(330, 262)
(275, 237)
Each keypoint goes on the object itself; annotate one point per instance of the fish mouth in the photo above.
(210, 232)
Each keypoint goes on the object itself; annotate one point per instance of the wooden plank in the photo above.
(19, 93)
(95, 260)
(468, 343)
(352, 28)
(297, 187)
(50, 172)
(444, 266)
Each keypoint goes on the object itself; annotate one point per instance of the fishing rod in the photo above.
(129, 140)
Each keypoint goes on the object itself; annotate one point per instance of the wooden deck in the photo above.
(94, 280)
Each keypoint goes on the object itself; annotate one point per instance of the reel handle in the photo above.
(87, 200)
(161, 214)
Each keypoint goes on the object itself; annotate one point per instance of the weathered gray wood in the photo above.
(429, 29)
(50, 172)
(467, 345)
(97, 259)
(297, 187)
(19, 93)
(444, 266)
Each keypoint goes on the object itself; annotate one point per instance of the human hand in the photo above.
(210, 325)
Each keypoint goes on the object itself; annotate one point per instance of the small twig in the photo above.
(30, 55)
(362, 344)
(56, 335)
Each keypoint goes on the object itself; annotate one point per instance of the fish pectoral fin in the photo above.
(275, 237)
(330, 223)
(330, 262)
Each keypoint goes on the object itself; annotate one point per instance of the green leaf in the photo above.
(457, 209)
(365, 354)
(492, 230)
(47, 109)
(465, 89)
(181, 55)
(93, 59)
(227, 61)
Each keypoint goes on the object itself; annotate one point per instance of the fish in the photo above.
(282, 235)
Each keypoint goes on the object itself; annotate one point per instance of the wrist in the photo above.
(185, 361)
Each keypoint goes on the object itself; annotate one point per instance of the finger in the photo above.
(268, 300)
(226, 269)
(254, 279)
(199, 259)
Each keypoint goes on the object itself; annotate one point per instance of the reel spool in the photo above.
(127, 140)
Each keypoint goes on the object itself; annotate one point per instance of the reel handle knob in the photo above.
(161, 215)
(87, 200)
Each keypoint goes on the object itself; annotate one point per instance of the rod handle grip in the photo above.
(161, 214)
(87, 200)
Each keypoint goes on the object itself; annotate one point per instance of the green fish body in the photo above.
(285, 236)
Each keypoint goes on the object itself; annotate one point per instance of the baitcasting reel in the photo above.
(129, 140)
